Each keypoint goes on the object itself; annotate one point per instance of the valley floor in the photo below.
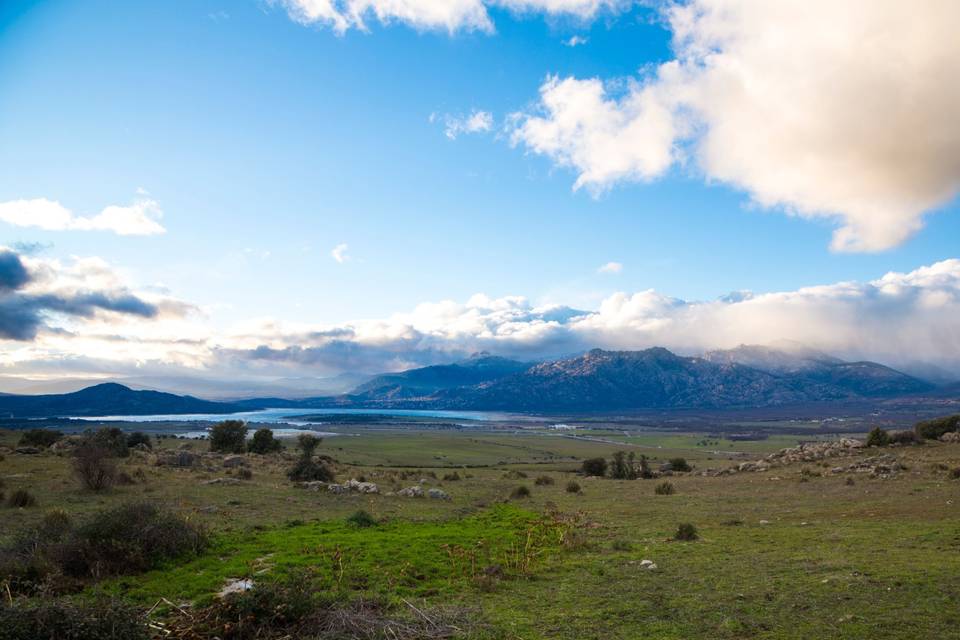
(792, 552)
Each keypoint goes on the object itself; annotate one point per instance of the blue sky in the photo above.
(267, 142)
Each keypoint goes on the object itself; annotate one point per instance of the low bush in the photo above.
(664, 489)
(543, 481)
(138, 438)
(680, 464)
(594, 467)
(306, 469)
(955, 473)
(451, 477)
(878, 438)
(128, 539)
(515, 474)
(41, 438)
(94, 465)
(21, 498)
(520, 491)
(621, 545)
(573, 487)
(686, 532)
(66, 619)
(933, 429)
(905, 438)
(361, 519)
(229, 436)
(244, 473)
(263, 442)
(112, 439)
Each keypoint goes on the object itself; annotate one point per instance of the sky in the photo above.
(257, 190)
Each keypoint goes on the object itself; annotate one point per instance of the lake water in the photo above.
(283, 416)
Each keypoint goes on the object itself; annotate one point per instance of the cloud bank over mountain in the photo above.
(82, 318)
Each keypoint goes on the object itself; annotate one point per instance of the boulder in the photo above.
(438, 494)
(28, 451)
(951, 436)
(232, 462)
(361, 487)
(181, 459)
(411, 492)
(221, 481)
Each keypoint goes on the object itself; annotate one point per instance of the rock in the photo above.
(312, 485)
(27, 451)
(64, 445)
(361, 487)
(411, 492)
(649, 565)
(235, 586)
(337, 488)
(182, 459)
(230, 481)
(232, 462)
(438, 494)
(952, 436)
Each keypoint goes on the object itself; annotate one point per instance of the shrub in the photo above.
(229, 436)
(622, 467)
(543, 481)
(64, 619)
(933, 429)
(680, 464)
(520, 491)
(244, 474)
(515, 474)
(362, 520)
(93, 464)
(451, 477)
(137, 438)
(904, 438)
(306, 469)
(686, 532)
(955, 473)
(594, 467)
(573, 487)
(111, 438)
(41, 438)
(878, 438)
(128, 539)
(264, 442)
(664, 489)
(621, 545)
(21, 498)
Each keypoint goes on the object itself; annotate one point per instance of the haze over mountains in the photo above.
(745, 377)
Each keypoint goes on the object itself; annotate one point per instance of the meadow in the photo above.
(791, 552)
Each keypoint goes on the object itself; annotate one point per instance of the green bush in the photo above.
(306, 469)
(451, 477)
(543, 481)
(65, 619)
(686, 532)
(229, 436)
(664, 489)
(680, 464)
(264, 442)
(878, 438)
(361, 519)
(131, 538)
(905, 438)
(41, 438)
(594, 467)
(573, 487)
(933, 429)
(520, 491)
(21, 498)
(111, 438)
(622, 466)
(137, 438)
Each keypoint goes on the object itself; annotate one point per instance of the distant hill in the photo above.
(654, 378)
(426, 381)
(107, 399)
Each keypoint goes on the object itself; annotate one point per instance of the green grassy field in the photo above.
(780, 554)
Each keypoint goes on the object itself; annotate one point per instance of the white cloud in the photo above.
(140, 218)
(844, 111)
(438, 15)
(575, 41)
(339, 253)
(611, 267)
(476, 122)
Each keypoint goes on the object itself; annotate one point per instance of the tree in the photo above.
(594, 467)
(229, 436)
(878, 438)
(680, 464)
(621, 467)
(137, 438)
(306, 468)
(94, 464)
(112, 439)
(264, 442)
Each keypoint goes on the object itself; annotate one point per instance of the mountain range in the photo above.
(745, 377)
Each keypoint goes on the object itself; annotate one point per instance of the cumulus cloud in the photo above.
(442, 15)
(845, 111)
(35, 294)
(339, 253)
(611, 267)
(475, 122)
(575, 41)
(141, 218)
